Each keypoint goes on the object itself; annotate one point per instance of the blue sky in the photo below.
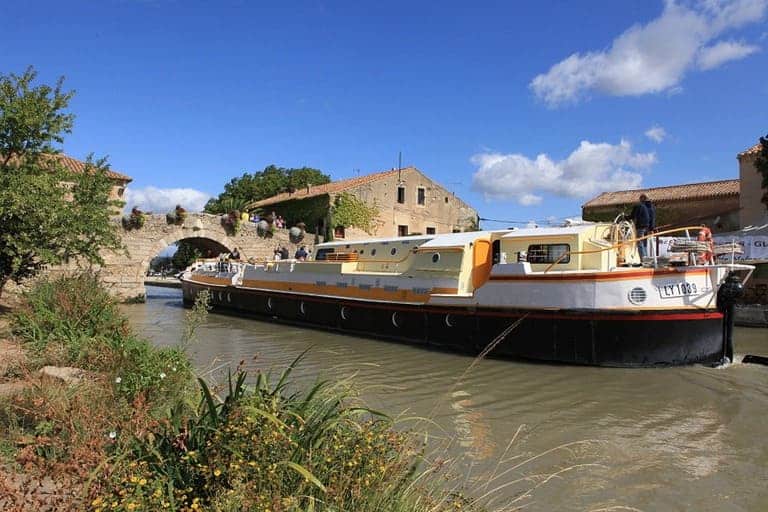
(526, 111)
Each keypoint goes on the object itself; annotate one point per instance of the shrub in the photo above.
(72, 320)
(270, 448)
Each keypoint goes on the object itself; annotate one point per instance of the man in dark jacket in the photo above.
(644, 217)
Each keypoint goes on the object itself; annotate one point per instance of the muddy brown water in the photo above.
(691, 438)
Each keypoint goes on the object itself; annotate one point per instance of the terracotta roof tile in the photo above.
(78, 167)
(333, 187)
(751, 151)
(665, 194)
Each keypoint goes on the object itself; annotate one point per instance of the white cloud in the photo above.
(650, 58)
(589, 169)
(656, 133)
(719, 53)
(161, 200)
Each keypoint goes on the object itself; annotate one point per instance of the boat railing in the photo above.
(623, 242)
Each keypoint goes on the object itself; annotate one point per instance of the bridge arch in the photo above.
(124, 271)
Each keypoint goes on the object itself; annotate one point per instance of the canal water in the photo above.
(550, 437)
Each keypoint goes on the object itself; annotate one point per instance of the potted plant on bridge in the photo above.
(231, 221)
(177, 216)
(135, 220)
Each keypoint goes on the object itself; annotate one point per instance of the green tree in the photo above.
(186, 254)
(761, 163)
(48, 216)
(260, 185)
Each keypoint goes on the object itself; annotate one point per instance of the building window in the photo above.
(446, 199)
(421, 196)
(549, 253)
(430, 231)
(402, 230)
(338, 232)
(401, 195)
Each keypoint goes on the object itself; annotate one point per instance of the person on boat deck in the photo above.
(301, 254)
(277, 256)
(644, 217)
(235, 255)
(284, 253)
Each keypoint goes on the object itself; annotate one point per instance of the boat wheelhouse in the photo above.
(577, 294)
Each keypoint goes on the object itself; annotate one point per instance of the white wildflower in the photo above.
(162, 375)
(118, 380)
(112, 434)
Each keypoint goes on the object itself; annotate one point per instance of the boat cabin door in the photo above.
(496, 251)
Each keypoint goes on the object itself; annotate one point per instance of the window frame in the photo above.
(401, 194)
(421, 196)
(534, 256)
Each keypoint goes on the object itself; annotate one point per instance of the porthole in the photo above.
(221, 297)
(373, 252)
(436, 257)
(393, 251)
(394, 319)
(448, 320)
(637, 295)
(361, 251)
(269, 303)
(302, 308)
(229, 297)
(344, 313)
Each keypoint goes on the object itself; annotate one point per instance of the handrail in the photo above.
(616, 246)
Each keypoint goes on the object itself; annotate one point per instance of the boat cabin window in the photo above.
(322, 254)
(549, 253)
(496, 251)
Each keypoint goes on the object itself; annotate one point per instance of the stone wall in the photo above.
(753, 212)
(441, 211)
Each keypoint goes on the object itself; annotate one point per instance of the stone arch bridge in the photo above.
(124, 272)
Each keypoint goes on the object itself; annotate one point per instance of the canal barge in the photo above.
(578, 294)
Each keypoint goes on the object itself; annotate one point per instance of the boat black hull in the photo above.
(603, 338)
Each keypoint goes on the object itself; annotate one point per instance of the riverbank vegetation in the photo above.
(141, 432)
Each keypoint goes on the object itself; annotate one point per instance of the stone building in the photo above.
(408, 202)
(714, 203)
(74, 166)
(753, 212)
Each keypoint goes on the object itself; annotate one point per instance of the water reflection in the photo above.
(584, 438)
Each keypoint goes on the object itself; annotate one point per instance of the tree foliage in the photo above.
(260, 185)
(186, 254)
(761, 163)
(48, 215)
